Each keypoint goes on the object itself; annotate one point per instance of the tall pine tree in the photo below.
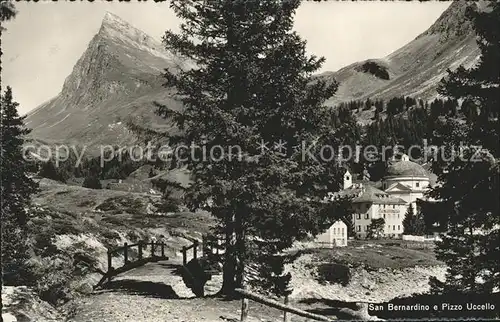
(413, 223)
(17, 188)
(470, 184)
(250, 90)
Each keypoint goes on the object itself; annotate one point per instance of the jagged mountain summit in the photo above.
(115, 81)
(416, 68)
(118, 78)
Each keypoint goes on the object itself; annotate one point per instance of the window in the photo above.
(384, 216)
(393, 227)
(367, 216)
(347, 178)
(334, 230)
(398, 215)
(359, 228)
(359, 216)
(393, 206)
(399, 227)
(417, 184)
(342, 231)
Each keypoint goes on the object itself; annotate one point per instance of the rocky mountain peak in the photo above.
(118, 30)
(453, 22)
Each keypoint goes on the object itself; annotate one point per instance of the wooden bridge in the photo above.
(195, 276)
(133, 257)
(136, 255)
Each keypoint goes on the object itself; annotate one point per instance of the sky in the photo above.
(45, 40)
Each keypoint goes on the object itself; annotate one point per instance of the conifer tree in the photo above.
(92, 181)
(413, 223)
(17, 189)
(250, 88)
(470, 181)
(408, 221)
(376, 229)
(50, 171)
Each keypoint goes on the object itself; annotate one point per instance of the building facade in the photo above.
(406, 180)
(405, 183)
(335, 236)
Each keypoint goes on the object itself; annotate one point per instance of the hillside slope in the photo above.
(416, 68)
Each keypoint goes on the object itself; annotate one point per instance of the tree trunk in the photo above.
(229, 268)
(240, 251)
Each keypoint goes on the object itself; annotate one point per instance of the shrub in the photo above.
(53, 277)
(334, 273)
(92, 181)
(48, 170)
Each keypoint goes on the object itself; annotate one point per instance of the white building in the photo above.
(335, 236)
(405, 182)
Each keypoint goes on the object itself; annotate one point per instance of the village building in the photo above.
(406, 180)
(335, 236)
(405, 183)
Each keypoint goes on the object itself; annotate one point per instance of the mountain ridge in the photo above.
(114, 82)
(118, 77)
(416, 68)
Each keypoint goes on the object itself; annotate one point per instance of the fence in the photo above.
(128, 262)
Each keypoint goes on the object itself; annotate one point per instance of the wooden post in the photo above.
(125, 253)
(110, 258)
(280, 306)
(244, 309)
(140, 250)
(152, 248)
(162, 250)
(195, 248)
(288, 291)
(184, 259)
(286, 317)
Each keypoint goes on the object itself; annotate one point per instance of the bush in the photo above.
(53, 277)
(92, 182)
(334, 273)
(48, 170)
(375, 69)
(121, 203)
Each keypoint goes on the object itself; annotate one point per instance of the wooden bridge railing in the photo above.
(274, 304)
(360, 314)
(207, 247)
(157, 253)
(185, 250)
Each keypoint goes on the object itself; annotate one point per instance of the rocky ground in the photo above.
(366, 285)
(78, 233)
(156, 293)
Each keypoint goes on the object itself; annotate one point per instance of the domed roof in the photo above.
(406, 168)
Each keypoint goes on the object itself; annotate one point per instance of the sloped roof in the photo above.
(399, 186)
(406, 168)
(369, 194)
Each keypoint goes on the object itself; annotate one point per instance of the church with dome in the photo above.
(406, 180)
(405, 183)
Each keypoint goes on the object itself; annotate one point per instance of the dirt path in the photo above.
(155, 292)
